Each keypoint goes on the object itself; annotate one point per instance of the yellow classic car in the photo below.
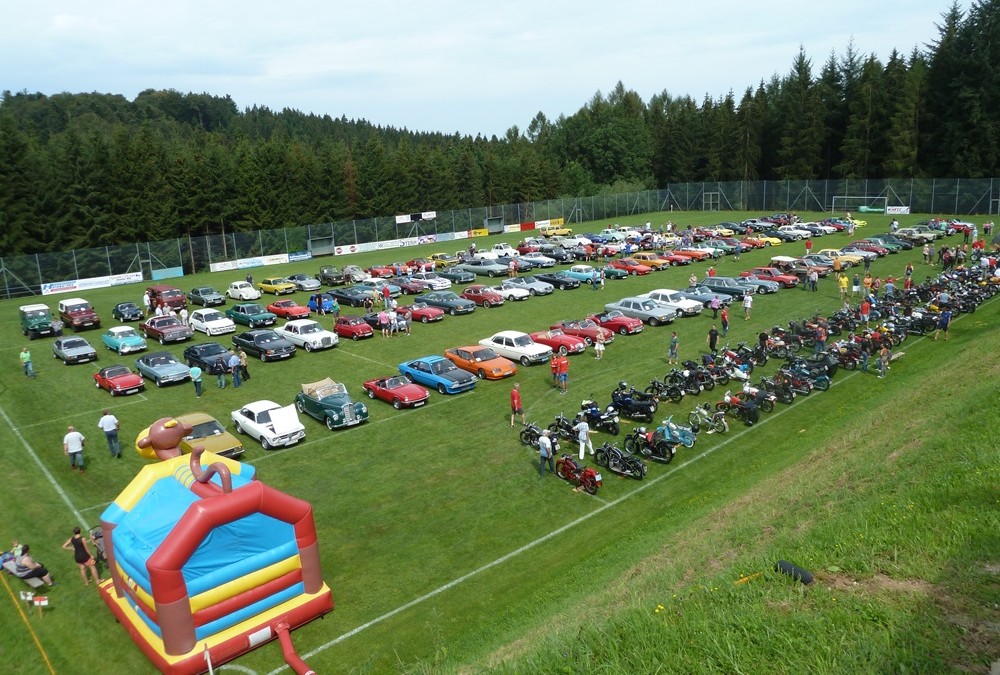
(205, 431)
(276, 285)
(650, 259)
(444, 259)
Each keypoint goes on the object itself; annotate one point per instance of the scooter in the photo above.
(650, 444)
(606, 420)
(704, 416)
(676, 434)
(617, 461)
(583, 476)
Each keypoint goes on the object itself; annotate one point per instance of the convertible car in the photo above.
(118, 380)
(559, 341)
(329, 402)
(588, 329)
(398, 391)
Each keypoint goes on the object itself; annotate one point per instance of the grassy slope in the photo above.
(415, 499)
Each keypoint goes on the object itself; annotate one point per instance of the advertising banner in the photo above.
(897, 210)
(167, 273)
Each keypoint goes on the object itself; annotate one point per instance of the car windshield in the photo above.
(126, 306)
(125, 333)
(212, 316)
(613, 314)
(485, 354)
(209, 351)
(648, 305)
(171, 294)
(335, 389)
(74, 343)
(252, 309)
(202, 291)
(37, 314)
(116, 371)
(82, 307)
(442, 367)
(164, 360)
(307, 328)
(206, 429)
(395, 382)
(522, 341)
(267, 339)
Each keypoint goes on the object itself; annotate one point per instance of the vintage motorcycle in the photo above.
(704, 417)
(676, 434)
(617, 461)
(649, 444)
(529, 434)
(569, 470)
(601, 420)
(633, 403)
(662, 389)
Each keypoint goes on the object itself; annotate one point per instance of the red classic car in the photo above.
(397, 390)
(633, 267)
(754, 242)
(773, 274)
(872, 247)
(119, 380)
(409, 285)
(618, 322)
(421, 264)
(523, 248)
(559, 341)
(165, 329)
(382, 271)
(695, 253)
(421, 312)
(481, 361)
(353, 327)
(675, 259)
(587, 329)
(482, 296)
(288, 309)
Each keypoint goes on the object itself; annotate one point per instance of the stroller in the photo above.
(97, 536)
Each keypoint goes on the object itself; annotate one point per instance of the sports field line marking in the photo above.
(551, 535)
(95, 506)
(24, 618)
(132, 401)
(365, 358)
(45, 471)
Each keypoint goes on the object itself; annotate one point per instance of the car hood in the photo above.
(285, 420)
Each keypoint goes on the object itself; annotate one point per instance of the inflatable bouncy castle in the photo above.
(206, 562)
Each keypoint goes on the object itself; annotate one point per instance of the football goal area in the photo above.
(858, 204)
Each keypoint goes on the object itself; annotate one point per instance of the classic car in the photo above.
(127, 311)
(773, 274)
(304, 282)
(329, 402)
(614, 273)
(410, 285)
(264, 344)
(169, 297)
(204, 355)
(631, 266)
(397, 390)
(165, 329)
(206, 296)
(757, 286)
(779, 234)
(481, 361)
(242, 290)
(438, 373)
(650, 260)
(119, 380)
(646, 310)
(904, 244)
(480, 267)
(797, 232)
(457, 276)
(308, 334)
(78, 314)
(723, 229)
(354, 274)
(353, 327)
(818, 229)
(865, 254)
(482, 296)
(274, 426)
(206, 431)
(511, 292)
(444, 259)
(675, 259)
(846, 259)
(36, 321)
(559, 253)
(797, 266)
(276, 286)
(381, 271)
(420, 265)
(696, 254)
(705, 296)
(421, 312)
(755, 242)
(163, 367)
(588, 329)
(288, 309)
(211, 322)
(434, 281)
(768, 239)
(73, 350)
(530, 283)
(560, 341)
(519, 264)
(562, 279)
(352, 296)
(379, 286)
(517, 346)
(251, 314)
(538, 259)
(585, 274)
(733, 244)
(865, 245)
(822, 259)
(448, 301)
(672, 299)
(123, 339)
(724, 286)
(918, 237)
(554, 230)
(710, 246)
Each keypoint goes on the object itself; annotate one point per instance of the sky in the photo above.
(448, 66)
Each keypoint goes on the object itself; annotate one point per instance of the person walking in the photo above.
(714, 306)
(516, 407)
(81, 554)
(110, 426)
(73, 443)
(583, 433)
(944, 321)
(747, 305)
(220, 372)
(545, 453)
(599, 347)
(724, 320)
(244, 371)
(713, 340)
(26, 365)
(196, 380)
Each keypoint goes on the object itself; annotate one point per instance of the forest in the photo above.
(81, 170)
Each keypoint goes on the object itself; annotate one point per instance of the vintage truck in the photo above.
(78, 314)
(36, 321)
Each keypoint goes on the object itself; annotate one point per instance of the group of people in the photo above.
(26, 567)
(393, 323)
(235, 364)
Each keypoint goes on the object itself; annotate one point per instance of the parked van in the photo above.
(36, 321)
(168, 296)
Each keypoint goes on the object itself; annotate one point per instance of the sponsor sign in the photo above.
(278, 259)
(300, 255)
(481, 232)
(427, 238)
(429, 215)
(557, 222)
(446, 236)
(383, 245)
(461, 234)
(72, 285)
(513, 228)
(224, 266)
(897, 210)
(403, 220)
(167, 273)
(539, 224)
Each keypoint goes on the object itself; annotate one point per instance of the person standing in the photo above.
(944, 321)
(516, 407)
(884, 356)
(809, 245)
(693, 279)
(927, 253)
(545, 453)
(724, 320)
(714, 305)
(147, 304)
(184, 315)
(81, 554)
(820, 344)
(583, 433)
(599, 347)
(814, 280)
(554, 368)
(334, 307)
(110, 426)
(866, 308)
(563, 373)
(196, 380)
(747, 305)
(220, 372)
(672, 349)
(842, 285)
(855, 285)
(385, 295)
(713, 340)
(233, 364)
(73, 443)
(249, 278)
(25, 356)
(244, 371)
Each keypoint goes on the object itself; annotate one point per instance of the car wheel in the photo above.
(531, 291)
(563, 351)
(767, 243)
(623, 331)
(355, 337)
(264, 444)
(589, 341)
(760, 290)
(329, 424)
(98, 385)
(263, 358)
(299, 406)
(653, 321)
(370, 392)
(240, 429)
(441, 389)
(525, 361)
(452, 311)
(308, 346)
(490, 274)
(633, 272)
(397, 404)
(487, 304)
(159, 382)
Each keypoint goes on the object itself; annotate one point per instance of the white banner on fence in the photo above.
(897, 210)
(512, 228)
(404, 219)
(429, 215)
(299, 256)
(224, 266)
(89, 283)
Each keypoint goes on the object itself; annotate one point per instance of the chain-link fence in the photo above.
(25, 275)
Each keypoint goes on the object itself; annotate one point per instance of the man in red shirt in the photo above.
(563, 366)
(866, 308)
(385, 295)
(515, 404)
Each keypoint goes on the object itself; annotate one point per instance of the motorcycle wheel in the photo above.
(849, 364)
(794, 347)
(675, 394)
(651, 390)
(613, 428)
(655, 404)
(601, 458)
(786, 396)
(630, 445)
(694, 420)
(560, 472)
(767, 405)
(780, 352)
(722, 406)
(719, 426)
(708, 384)
(688, 441)
(634, 468)
(554, 428)
(665, 451)
(723, 379)
(822, 383)
(527, 438)
(590, 487)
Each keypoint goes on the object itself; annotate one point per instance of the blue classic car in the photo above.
(162, 368)
(439, 373)
(457, 276)
(448, 301)
(123, 339)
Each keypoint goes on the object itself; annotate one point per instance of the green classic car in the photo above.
(251, 314)
(329, 402)
(614, 273)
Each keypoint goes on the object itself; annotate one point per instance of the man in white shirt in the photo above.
(110, 426)
(73, 447)
(583, 432)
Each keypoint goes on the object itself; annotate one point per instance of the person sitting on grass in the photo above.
(27, 567)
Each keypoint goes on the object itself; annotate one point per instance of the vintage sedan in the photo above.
(517, 346)
(274, 426)
(705, 296)
(482, 296)
(163, 367)
(585, 274)
(308, 334)
(773, 274)
(409, 285)
(242, 290)
(206, 296)
(304, 282)
(539, 259)
(695, 254)
(646, 310)
(397, 390)
(211, 322)
(73, 350)
(456, 276)
(379, 286)
(206, 431)
(251, 314)
(165, 329)
(123, 340)
(560, 341)
(434, 281)
(204, 355)
(561, 279)
(421, 312)
(127, 311)
(438, 373)
(510, 293)
(352, 296)
(757, 286)
(481, 361)
(329, 402)
(672, 299)
(588, 329)
(264, 344)
(870, 246)
(480, 267)
(276, 286)
(651, 260)
(442, 260)
(288, 309)
(846, 259)
(633, 267)
(533, 285)
(618, 322)
(118, 381)
(448, 301)
(353, 327)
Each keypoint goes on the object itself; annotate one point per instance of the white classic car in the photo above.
(518, 346)
(273, 425)
(241, 290)
(308, 334)
(211, 322)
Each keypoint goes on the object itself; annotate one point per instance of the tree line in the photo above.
(83, 170)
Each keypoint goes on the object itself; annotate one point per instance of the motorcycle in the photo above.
(686, 380)
(763, 398)
(634, 404)
(530, 434)
(746, 411)
(782, 392)
(703, 416)
(606, 420)
(662, 389)
(676, 434)
(562, 427)
(569, 470)
(614, 459)
(649, 444)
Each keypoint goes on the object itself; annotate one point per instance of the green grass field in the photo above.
(447, 553)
